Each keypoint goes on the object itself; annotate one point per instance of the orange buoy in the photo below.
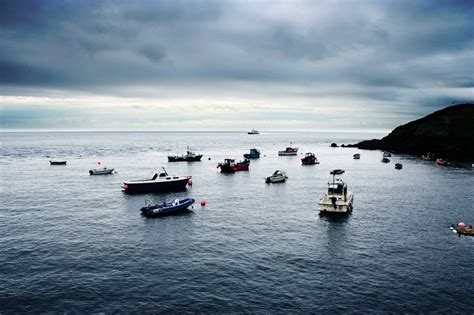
(203, 203)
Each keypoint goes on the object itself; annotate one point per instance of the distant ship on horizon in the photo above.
(253, 132)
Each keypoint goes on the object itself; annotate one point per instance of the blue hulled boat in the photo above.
(254, 154)
(167, 208)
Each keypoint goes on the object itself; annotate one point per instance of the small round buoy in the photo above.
(209, 159)
(190, 182)
(203, 203)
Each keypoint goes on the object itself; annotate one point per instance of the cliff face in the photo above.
(448, 133)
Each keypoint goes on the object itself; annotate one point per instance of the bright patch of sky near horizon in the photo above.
(231, 65)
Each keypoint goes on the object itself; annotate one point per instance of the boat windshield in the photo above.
(337, 188)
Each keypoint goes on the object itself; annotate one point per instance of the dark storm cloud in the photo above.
(384, 50)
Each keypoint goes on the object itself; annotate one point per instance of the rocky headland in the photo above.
(448, 133)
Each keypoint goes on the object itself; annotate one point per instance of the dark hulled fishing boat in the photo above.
(188, 157)
(309, 159)
(162, 182)
(57, 162)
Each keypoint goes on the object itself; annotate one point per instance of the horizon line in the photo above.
(370, 130)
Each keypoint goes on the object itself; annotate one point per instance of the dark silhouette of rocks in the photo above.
(448, 133)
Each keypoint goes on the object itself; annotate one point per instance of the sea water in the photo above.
(74, 242)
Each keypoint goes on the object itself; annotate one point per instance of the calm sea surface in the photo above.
(74, 242)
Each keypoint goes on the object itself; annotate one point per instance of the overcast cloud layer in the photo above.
(232, 65)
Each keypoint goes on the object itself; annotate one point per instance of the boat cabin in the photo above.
(337, 188)
(229, 162)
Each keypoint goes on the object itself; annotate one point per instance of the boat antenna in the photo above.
(164, 170)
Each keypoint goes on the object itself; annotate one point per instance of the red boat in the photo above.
(442, 162)
(230, 166)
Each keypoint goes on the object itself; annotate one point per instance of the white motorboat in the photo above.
(277, 177)
(253, 132)
(337, 199)
(288, 151)
(101, 171)
(162, 182)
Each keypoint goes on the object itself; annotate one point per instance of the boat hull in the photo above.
(313, 161)
(196, 158)
(462, 230)
(101, 172)
(284, 153)
(57, 162)
(235, 168)
(273, 180)
(156, 186)
(340, 206)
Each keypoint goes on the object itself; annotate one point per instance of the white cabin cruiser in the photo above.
(337, 199)
(277, 177)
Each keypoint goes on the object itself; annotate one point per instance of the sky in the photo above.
(232, 65)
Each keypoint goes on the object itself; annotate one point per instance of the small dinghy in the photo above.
(385, 160)
(167, 208)
(57, 162)
(101, 171)
(356, 156)
(277, 177)
(398, 166)
(462, 229)
(442, 162)
(387, 154)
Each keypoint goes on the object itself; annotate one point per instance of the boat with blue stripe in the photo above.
(167, 208)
